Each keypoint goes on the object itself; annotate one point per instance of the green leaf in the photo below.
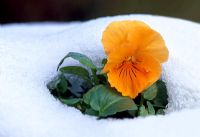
(71, 101)
(142, 111)
(160, 112)
(78, 71)
(94, 77)
(107, 101)
(104, 61)
(83, 59)
(151, 92)
(150, 108)
(162, 97)
(76, 88)
(86, 86)
(134, 107)
(53, 84)
(82, 106)
(78, 85)
(91, 112)
(59, 84)
(132, 112)
(62, 85)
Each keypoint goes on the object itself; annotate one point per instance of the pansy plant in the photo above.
(127, 84)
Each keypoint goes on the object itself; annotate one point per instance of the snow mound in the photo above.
(29, 54)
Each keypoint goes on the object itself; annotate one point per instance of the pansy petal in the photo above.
(154, 45)
(120, 79)
(136, 34)
(120, 53)
(135, 53)
(148, 41)
(150, 67)
(113, 35)
(108, 67)
(131, 79)
(118, 33)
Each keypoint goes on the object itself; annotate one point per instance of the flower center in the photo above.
(130, 59)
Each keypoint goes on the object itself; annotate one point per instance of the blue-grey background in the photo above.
(71, 10)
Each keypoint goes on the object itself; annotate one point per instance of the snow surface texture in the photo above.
(29, 54)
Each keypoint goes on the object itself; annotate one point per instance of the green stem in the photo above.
(141, 100)
(159, 106)
(95, 78)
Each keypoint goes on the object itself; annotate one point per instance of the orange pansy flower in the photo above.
(135, 53)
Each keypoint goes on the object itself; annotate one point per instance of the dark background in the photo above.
(71, 10)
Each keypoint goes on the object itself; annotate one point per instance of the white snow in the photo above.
(29, 54)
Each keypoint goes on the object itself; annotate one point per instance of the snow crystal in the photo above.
(29, 54)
